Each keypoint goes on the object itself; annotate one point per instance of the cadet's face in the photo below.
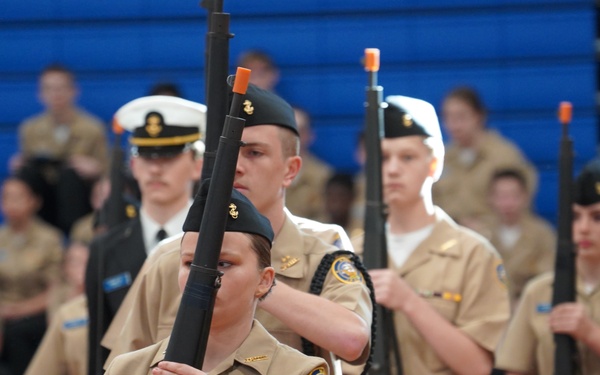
(586, 231)
(508, 198)
(164, 181)
(461, 121)
(407, 163)
(242, 282)
(261, 172)
(57, 91)
(18, 203)
(76, 259)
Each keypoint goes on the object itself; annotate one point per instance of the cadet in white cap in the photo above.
(444, 283)
(166, 161)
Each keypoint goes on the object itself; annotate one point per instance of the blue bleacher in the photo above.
(524, 57)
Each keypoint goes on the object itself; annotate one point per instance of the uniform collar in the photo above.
(256, 351)
(287, 253)
(442, 242)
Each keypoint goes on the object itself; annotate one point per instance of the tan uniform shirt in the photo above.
(457, 262)
(63, 351)
(30, 262)
(86, 135)
(297, 251)
(529, 343)
(305, 197)
(462, 190)
(260, 353)
(531, 255)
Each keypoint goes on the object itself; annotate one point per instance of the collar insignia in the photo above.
(256, 358)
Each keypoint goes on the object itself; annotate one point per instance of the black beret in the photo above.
(405, 116)
(263, 107)
(162, 125)
(587, 185)
(242, 216)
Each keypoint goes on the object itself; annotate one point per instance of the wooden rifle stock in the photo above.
(564, 290)
(375, 243)
(190, 333)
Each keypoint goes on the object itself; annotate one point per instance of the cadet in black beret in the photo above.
(237, 343)
(466, 299)
(587, 185)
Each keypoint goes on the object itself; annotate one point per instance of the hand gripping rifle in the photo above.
(192, 324)
(565, 357)
(375, 244)
(216, 71)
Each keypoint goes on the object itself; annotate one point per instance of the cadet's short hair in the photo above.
(509, 173)
(470, 96)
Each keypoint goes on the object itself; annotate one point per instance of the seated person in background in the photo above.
(63, 350)
(83, 230)
(339, 196)
(65, 145)
(526, 242)
(305, 196)
(166, 88)
(472, 156)
(237, 343)
(265, 73)
(30, 257)
(528, 346)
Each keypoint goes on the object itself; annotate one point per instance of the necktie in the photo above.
(161, 235)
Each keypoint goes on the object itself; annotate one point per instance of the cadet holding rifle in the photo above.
(237, 343)
(338, 321)
(528, 347)
(444, 283)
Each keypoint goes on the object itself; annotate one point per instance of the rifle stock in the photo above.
(192, 324)
(564, 289)
(375, 243)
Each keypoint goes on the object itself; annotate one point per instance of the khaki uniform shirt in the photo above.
(461, 276)
(305, 197)
(529, 344)
(297, 251)
(30, 262)
(86, 136)
(260, 353)
(63, 351)
(462, 190)
(531, 255)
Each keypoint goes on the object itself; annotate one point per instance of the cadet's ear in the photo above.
(293, 165)
(267, 277)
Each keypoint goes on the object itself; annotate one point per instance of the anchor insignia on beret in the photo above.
(232, 211)
(153, 124)
(407, 120)
(248, 108)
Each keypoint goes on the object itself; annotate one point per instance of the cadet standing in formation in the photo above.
(528, 347)
(445, 284)
(165, 164)
(237, 344)
(338, 321)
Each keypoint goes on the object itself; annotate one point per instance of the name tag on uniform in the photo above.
(116, 282)
(543, 308)
(75, 323)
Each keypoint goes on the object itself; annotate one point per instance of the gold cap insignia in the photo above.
(130, 211)
(153, 125)
(598, 188)
(407, 120)
(248, 108)
(232, 211)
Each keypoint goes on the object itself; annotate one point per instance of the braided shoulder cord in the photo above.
(316, 286)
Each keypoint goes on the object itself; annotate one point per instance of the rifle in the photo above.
(375, 217)
(192, 323)
(565, 356)
(216, 72)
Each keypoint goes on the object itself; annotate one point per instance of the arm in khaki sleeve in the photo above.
(516, 352)
(49, 358)
(454, 347)
(323, 322)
